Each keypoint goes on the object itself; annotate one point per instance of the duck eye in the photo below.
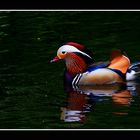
(63, 52)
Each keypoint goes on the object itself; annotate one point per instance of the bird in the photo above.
(82, 70)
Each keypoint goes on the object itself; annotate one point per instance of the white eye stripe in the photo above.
(69, 48)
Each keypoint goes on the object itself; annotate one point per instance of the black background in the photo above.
(69, 4)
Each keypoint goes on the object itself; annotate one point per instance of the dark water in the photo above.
(32, 94)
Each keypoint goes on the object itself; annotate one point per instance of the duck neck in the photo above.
(75, 66)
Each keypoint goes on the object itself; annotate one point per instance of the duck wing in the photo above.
(97, 65)
(119, 61)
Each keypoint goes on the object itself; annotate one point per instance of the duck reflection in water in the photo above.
(82, 99)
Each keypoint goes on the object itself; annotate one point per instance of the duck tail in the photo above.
(133, 71)
(119, 61)
(135, 66)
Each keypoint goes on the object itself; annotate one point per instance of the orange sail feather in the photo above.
(119, 61)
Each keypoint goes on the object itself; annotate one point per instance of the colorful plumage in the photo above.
(80, 69)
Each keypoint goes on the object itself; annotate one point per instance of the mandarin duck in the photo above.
(80, 69)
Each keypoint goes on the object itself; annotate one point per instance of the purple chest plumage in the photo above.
(68, 78)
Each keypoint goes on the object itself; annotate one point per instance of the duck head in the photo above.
(76, 57)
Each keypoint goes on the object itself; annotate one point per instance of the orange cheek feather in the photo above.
(61, 56)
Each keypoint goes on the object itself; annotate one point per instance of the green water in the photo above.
(32, 94)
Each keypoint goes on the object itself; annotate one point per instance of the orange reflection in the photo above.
(122, 97)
